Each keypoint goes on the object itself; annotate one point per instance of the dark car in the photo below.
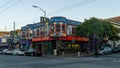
(116, 49)
(32, 52)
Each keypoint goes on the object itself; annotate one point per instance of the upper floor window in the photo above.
(37, 32)
(23, 34)
(57, 27)
(63, 28)
(73, 30)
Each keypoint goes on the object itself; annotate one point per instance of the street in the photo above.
(107, 61)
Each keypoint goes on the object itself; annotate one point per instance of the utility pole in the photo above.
(14, 30)
(5, 27)
(14, 35)
(43, 47)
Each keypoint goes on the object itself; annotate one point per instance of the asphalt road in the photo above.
(106, 61)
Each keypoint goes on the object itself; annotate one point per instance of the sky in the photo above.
(22, 13)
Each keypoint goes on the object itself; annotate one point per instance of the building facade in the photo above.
(3, 39)
(115, 21)
(59, 35)
(25, 42)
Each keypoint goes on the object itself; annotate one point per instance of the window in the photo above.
(73, 30)
(52, 29)
(57, 27)
(23, 34)
(63, 28)
(37, 32)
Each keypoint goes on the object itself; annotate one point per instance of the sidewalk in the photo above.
(82, 58)
(74, 55)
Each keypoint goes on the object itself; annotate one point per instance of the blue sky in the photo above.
(22, 12)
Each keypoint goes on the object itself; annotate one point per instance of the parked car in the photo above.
(32, 52)
(4, 51)
(116, 49)
(9, 52)
(105, 50)
(17, 52)
(21, 53)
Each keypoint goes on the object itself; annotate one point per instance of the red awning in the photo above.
(68, 38)
(82, 39)
(41, 39)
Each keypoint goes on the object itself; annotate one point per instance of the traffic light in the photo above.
(42, 20)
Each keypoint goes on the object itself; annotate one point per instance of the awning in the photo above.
(25, 42)
(3, 44)
(67, 38)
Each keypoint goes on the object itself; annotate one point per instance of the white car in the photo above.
(9, 52)
(105, 50)
(4, 51)
(17, 52)
(21, 53)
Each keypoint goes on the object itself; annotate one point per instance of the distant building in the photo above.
(4, 33)
(3, 39)
(115, 21)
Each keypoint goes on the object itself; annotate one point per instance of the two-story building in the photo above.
(25, 41)
(59, 35)
(3, 39)
(115, 21)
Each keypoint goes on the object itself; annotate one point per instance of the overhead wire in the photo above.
(78, 4)
(6, 3)
(10, 6)
(70, 7)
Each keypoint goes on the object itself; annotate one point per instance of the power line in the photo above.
(81, 3)
(78, 4)
(6, 3)
(10, 6)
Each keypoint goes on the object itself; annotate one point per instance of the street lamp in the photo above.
(42, 11)
(44, 18)
(46, 24)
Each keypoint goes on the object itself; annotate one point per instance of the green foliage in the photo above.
(98, 27)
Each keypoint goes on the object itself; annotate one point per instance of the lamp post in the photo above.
(42, 11)
(44, 17)
(44, 23)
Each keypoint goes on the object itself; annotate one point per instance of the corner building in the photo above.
(59, 35)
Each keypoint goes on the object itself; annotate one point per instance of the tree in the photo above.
(96, 29)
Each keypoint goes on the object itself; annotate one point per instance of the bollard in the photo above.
(55, 52)
(62, 54)
(78, 53)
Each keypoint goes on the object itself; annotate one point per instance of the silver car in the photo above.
(17, 52)
(105, 50)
